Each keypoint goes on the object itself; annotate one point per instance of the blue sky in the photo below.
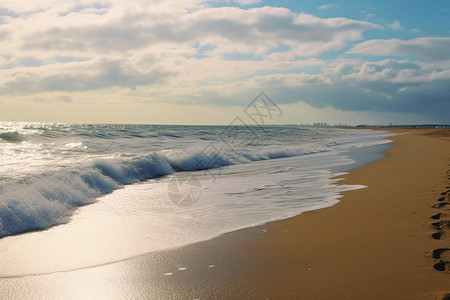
(203, 62)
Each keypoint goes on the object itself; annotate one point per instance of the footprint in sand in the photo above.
(442, 258)
(441, 225)
(437, 235)
(436, 216)
(440, 204)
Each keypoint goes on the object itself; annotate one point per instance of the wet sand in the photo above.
(386, 241)
(377, 242)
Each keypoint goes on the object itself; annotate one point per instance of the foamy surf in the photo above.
(131, 210)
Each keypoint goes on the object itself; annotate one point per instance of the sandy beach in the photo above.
(386, 241)
(377, 242)
(241, 149)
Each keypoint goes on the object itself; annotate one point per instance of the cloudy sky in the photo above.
(203, 62)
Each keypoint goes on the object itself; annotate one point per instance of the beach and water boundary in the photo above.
(376, 243)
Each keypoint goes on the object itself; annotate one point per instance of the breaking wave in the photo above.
(12, 137)
(45, 200)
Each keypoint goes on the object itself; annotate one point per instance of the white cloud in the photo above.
(371, 86)
(78, 76)
(396, 26)
(247, 2)
(119, 31)
(229, 29)
(429, 48)
(189, 52)
(327, 6)
(82, 45)
(348, 85)
(367, 14)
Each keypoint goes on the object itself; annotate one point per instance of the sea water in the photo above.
(76, 196)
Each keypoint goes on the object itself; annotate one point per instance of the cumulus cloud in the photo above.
(90, 75)
(348, 85)
(388, 85)
(229, 29)
(384, 86)
(85, 45)
(194, 52)
(396, 26)
(429, 48)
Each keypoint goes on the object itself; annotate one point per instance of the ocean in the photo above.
(74, 196)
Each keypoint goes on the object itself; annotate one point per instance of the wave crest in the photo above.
(49, 199)
(12, 137)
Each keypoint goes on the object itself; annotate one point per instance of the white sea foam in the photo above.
(49, 199)
(141, 218)
(56, 169)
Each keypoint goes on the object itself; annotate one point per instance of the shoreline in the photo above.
(379, 239)
(375, 243)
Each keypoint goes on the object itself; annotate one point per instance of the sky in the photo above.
(204, 62)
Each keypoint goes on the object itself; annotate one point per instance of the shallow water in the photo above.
(186, 185)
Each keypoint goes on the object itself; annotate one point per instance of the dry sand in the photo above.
(376, 243)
